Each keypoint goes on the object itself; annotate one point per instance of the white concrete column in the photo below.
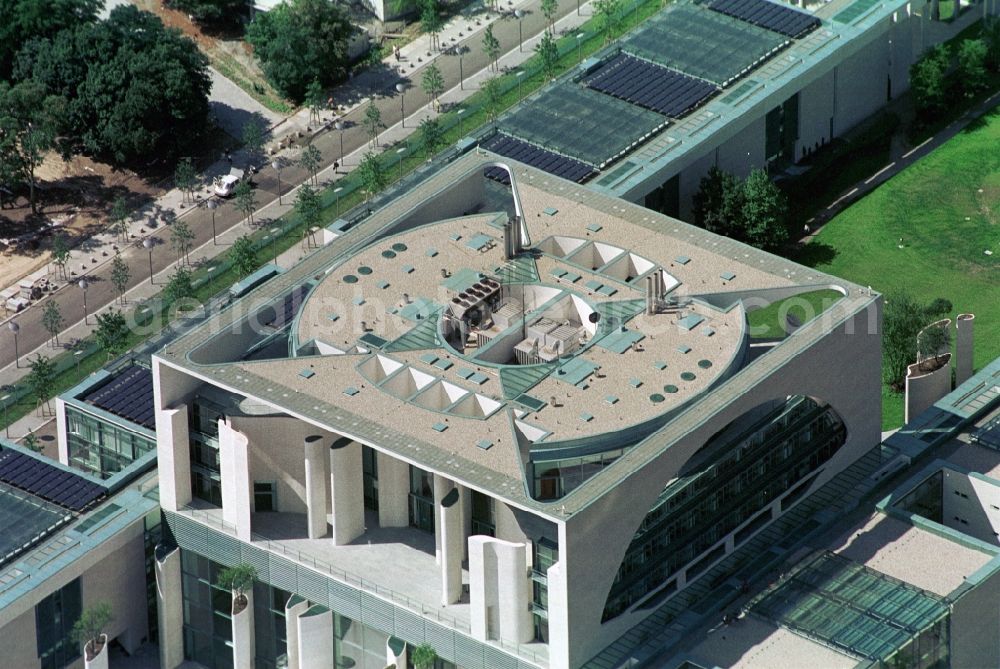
(316, 638)
(449, 517)
(482, 587)
(244, 646)
(316, 499)
(924, 388)
(169, 607)
(347, 492)
(173, 457)
(62, 438)
(234, 477)
(395, 652)
(393, 491)
(499, 590)
(515, 592)
(559, 650)
(295, 607)
(963, 349)
(442, 486)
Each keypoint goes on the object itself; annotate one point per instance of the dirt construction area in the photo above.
(72, 196)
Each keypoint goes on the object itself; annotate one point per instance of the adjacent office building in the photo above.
(732, 84)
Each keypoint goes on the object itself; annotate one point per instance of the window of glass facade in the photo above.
(54, 619)
(100, 447)
(265, 496)
(269, 625)
(207, 613)
(483, 514)
(421, 499)
(698, 510)
(544, 554)
(203, 423)
(555, 478)
(152, 534)
(369, 468)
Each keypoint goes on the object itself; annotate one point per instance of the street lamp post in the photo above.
(6, 424)
(400, 152)
(519, 75)
(339, 125)
(461, 76)
(579, 47)
(147, 244)
(336, 191)
(276, 164)
(274, 246)
(461, 119)
(14, 329)
(401, 89)
(84, 286)
(212, 205)
(577, 7)
(519, 13)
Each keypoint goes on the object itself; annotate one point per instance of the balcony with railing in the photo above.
(397, 564)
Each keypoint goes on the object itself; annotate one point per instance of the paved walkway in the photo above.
(92, 259)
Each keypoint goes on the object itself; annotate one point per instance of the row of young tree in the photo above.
(973, 61)
(754, 211)
(125, 89)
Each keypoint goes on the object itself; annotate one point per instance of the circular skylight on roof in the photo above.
(656, 398)
(350, 278)
(365, 270)
(670, 388)
(705, 364)
(688, 376)
(399, 247)
(388, 254)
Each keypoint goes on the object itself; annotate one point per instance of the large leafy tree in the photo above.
(765, 212)
(29, 123)
(548, 51)
(214, 13)
(22, 20)
(299, 42)
(972, 58)
(136, 91)
(432, 82)
(718, 203)
(111, 332)
(243, 256)
(927, 81)
(373, 175)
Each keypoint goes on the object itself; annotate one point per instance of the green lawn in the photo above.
(946, 211)
(769, 322)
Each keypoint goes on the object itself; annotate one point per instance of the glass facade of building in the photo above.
(545, 553)
(203, 423)
(556, 478)
(749, 471)
(421, 499)
(100, 447)
(54, 619)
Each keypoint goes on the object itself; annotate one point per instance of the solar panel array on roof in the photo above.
(651, 86)
(285, 312)
(529, 154)
(766, 14)
(572, 120)
(129, 395)
(702, 43)
(51, 483)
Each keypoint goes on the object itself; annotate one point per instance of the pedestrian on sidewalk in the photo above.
(395, 52)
